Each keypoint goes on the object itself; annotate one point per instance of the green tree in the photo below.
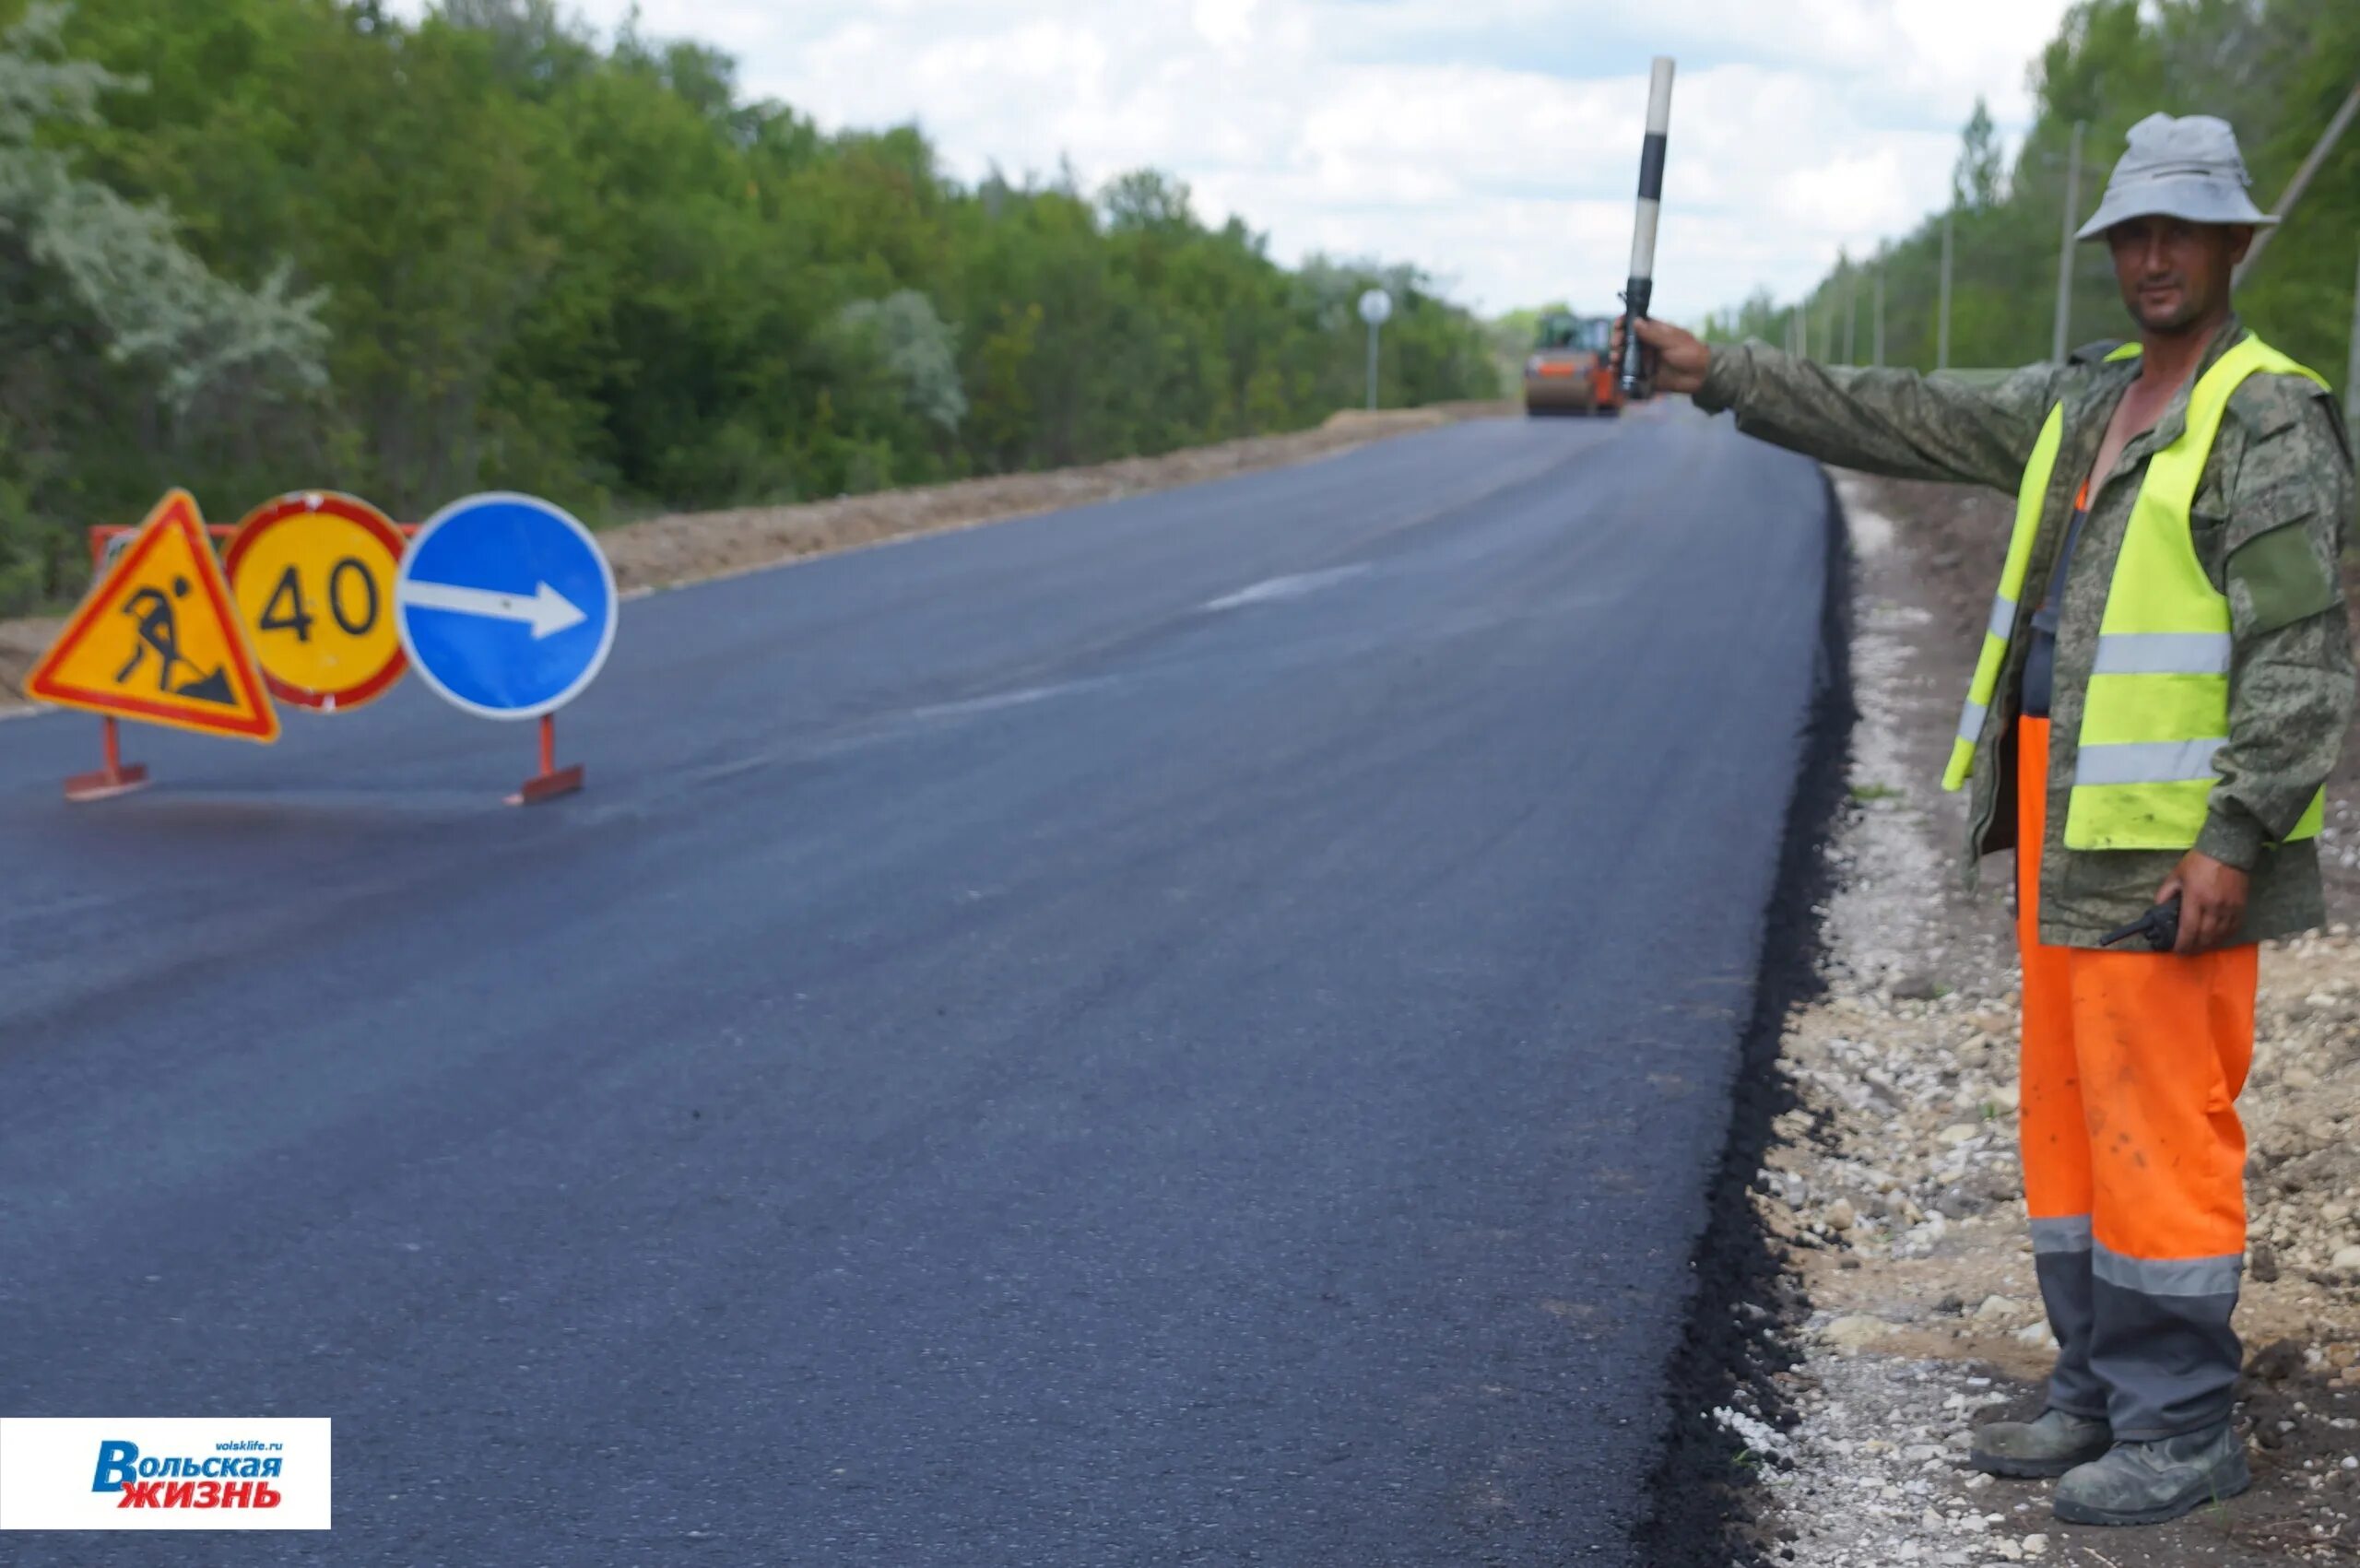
(1976, 179)
(107, 321)
(912, 347)
(2276, 70)
(488, 248)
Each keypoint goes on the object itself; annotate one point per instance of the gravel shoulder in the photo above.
(1894, 1188)
(683, 547)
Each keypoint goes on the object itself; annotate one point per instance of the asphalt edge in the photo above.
(1737, 1336)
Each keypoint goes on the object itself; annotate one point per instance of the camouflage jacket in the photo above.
(2268, 522)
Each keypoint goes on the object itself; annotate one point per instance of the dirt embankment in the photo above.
(1895, 1187)
(663, 552)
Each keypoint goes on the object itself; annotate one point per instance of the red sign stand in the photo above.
(114, 778)
(553, 781)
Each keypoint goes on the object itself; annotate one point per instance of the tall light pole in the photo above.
(1942, 331)
(1851, 318)
(2351, 376)
(2065, 249)
(1376, 307)
(2296, 187)
(1876, 337)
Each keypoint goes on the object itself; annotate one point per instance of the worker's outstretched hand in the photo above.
(1679, 358)
(2211, 900)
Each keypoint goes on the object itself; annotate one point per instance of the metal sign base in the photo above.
(113, 779)
(551, 780)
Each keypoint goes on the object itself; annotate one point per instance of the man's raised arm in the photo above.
(1894, 423)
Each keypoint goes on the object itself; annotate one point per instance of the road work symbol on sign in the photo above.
(312, 573)
(505, 605)
(158, 638)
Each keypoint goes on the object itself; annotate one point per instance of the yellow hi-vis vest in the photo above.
(2157, 707)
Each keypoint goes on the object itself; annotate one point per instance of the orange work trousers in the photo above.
(2134, 1157)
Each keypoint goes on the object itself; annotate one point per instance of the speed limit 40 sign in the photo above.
(312, 573)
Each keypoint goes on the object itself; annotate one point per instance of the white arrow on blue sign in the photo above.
(505, 605)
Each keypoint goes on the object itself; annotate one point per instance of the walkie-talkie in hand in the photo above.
(2160, 925)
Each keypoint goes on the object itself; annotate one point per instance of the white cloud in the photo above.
(1492, 142)
(1225, 24)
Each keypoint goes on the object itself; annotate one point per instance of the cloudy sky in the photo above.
(1492, 142)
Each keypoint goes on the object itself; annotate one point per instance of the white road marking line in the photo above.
(1290, 588)
(996, 701)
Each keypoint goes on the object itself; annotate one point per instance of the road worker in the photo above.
(2161, 694)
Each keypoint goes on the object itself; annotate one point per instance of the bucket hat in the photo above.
(2187, 168)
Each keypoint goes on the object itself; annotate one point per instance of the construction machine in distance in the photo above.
(1569, 370)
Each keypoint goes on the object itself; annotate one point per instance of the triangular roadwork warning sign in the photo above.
(159, 639)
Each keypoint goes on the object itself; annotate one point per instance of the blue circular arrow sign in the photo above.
(505, 605)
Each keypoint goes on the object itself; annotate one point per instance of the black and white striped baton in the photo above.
(1641, 286)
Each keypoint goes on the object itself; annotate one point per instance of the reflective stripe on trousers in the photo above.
(2134, 1157)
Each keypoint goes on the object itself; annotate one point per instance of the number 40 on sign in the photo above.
(312, 573)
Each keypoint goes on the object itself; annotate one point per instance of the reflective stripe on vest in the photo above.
(2157, 704)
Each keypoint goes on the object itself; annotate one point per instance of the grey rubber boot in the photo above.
(2145, 1483)
(2048, 1446)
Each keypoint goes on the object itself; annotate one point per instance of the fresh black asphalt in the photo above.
(1193, 1030)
